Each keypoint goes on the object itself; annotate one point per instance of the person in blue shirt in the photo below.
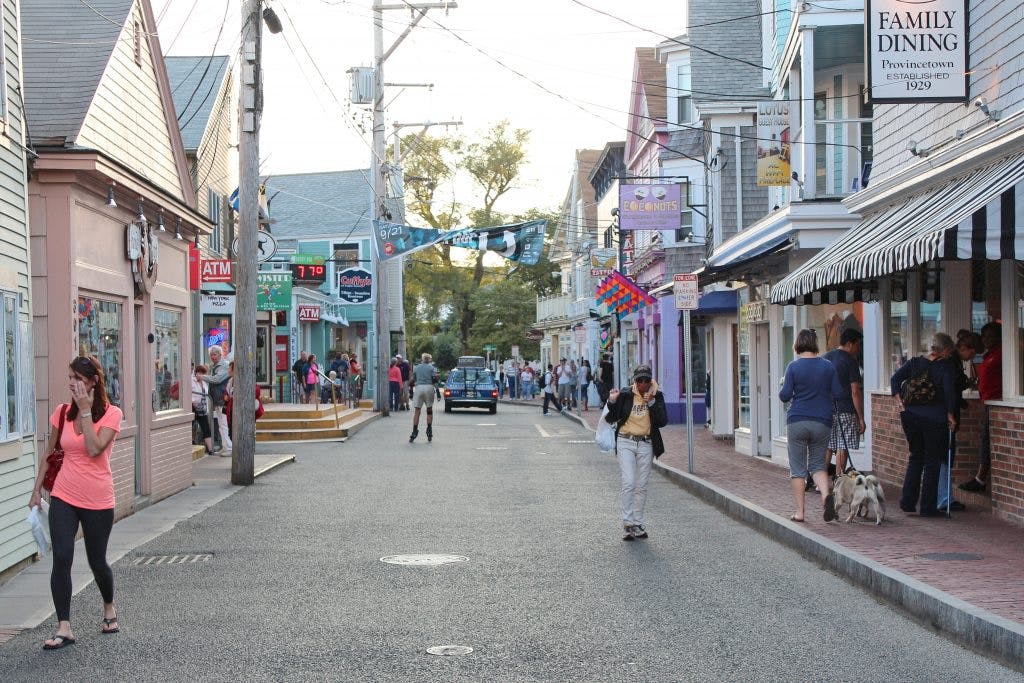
(928, 426)
(811, 384)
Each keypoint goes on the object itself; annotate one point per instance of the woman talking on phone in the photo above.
(83, 492)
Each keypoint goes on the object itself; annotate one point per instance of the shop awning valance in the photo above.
(970, 217)
(715, 303)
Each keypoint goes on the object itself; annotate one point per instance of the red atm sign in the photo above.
(215, 270)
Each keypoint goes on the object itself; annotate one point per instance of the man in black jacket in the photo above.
(638, 413)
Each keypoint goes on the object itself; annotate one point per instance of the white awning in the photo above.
(970, 217)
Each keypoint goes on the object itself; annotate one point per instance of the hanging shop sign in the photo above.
(649, 207)
(773, 167)
(266, 246)
(273, 291)
(309, 313)
(754, 312)
(917, 50)
(215, 270)
(355, 285)
(143, 250)
(602, 262)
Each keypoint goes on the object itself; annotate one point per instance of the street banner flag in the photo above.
(261, 198)
(522, 242)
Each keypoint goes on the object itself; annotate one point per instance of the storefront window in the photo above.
(263, 354)
(931, 322)
(743, 370)
(99, 335)
(899, 333)
(984, 293)
(9, 329)
(698, 333)
(217, 332)
(167, 358)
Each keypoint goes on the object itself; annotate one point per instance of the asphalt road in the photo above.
(296, 590)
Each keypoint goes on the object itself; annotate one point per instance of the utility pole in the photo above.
(380, 185)
(243, 452)
(243, 419)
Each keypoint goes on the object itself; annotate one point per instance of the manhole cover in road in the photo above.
(172, 559)
(449, 650)
(423, 559)
(951, 557)
(491, 448)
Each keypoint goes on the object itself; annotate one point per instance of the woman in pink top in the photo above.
(83, 493)
(394, 384)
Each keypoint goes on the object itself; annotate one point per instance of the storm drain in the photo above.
(951, 557)
(171, 559)
(423, 559)
(449, 650)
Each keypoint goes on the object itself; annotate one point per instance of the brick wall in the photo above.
(889, 446)
(1007, 476)
(171, 460)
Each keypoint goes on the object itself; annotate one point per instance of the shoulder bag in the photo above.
(56, 457)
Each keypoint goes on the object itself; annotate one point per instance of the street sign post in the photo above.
(684, 286)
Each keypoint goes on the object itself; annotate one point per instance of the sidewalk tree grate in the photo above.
(951, 557)
(423, 559)
(449, 650)
(172, 559)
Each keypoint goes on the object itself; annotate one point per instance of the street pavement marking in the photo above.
(486, 424)
(542, 432)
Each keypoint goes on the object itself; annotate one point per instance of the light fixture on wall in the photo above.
(177, 230)
(196, 241)
(110, 197)
(160, 221)
(916, 149)
(142, 213)
(992, 114)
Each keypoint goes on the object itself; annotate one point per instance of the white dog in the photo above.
(868, 498)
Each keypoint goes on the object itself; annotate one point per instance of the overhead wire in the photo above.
(209, 62)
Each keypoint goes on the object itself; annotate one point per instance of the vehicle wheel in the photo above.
(447, 406)
(494, 409)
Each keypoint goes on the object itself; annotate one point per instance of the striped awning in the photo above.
(970, 217)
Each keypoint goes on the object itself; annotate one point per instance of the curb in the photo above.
(973, 627)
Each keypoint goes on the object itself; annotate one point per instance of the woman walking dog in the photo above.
(83, 492)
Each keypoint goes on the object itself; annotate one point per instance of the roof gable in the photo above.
(196, 85)
(648, 104)
(66, 48)
(310, 205)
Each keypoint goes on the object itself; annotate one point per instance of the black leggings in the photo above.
(96, 526)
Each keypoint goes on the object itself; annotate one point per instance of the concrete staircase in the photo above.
(296, 422)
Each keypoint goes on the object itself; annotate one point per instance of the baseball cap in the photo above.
(398, 355)
(642, 372)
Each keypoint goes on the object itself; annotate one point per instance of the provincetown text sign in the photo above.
(917, 50)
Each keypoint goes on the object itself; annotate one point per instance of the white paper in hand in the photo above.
(37, 520)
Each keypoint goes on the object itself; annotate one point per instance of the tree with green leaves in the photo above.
(448, 290)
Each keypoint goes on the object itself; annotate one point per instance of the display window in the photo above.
(167, 359)
(99, 334)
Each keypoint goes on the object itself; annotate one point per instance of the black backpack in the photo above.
(919, 390)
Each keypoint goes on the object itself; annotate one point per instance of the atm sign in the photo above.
(215, 270)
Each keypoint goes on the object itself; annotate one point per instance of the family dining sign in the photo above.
(917, 50)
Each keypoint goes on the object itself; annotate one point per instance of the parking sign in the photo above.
(684, 286)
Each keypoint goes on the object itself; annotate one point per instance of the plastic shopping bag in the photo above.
(37, 519)
(605, 436)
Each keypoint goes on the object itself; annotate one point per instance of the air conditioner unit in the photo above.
(363, 86)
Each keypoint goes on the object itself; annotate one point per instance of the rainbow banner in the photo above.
(622, 295)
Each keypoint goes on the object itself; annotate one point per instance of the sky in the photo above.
(309, 126)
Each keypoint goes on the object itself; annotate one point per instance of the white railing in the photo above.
(580, 308)
(553, 307)
(842, 148)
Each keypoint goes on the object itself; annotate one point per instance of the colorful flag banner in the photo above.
(522, 242)
(622, 295)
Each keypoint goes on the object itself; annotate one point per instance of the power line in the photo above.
(209, 62)
(183, 24)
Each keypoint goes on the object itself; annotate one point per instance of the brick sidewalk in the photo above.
(994, 583)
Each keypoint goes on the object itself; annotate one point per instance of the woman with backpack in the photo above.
(926, 390)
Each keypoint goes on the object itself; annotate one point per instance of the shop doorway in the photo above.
(140, 405)
(763, 395)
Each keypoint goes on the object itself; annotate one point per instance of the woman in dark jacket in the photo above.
(927, 425)
(638, 413)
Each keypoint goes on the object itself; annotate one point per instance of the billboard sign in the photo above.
(649, 207)
(773, 150)
(917, 50)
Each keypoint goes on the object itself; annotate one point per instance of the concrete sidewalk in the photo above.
(962, 576)
(25, 600)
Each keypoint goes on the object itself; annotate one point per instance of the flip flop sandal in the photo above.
(830, 508)
(108, 622)
(794, 518)
(64, 641)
